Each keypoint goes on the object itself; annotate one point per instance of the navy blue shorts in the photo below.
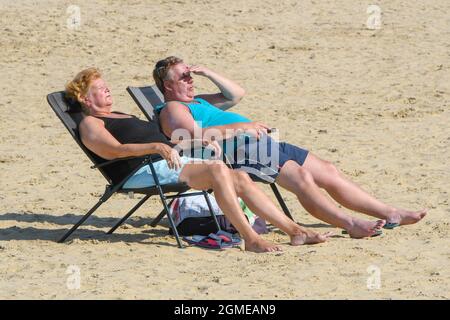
(262, 159)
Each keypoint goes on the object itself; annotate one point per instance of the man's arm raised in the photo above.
(230, 92)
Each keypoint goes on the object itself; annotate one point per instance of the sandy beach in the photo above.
(373, 101)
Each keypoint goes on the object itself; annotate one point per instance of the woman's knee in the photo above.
(242, 176)
(218, 170)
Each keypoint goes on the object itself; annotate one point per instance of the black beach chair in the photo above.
(149, 97)
(70, 114)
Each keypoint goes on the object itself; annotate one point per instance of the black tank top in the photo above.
(130, 130)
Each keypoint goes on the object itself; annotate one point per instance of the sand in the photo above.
(374, 102)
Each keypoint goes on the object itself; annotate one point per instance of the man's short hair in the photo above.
(79, 86)
(162, 68)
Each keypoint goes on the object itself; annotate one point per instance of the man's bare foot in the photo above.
(260, 245)
(362, 228)
(309, 237)
(404, 217)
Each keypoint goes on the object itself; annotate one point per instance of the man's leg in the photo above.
(259, 203)
(215, 175)
(347, 193)
(298, 180)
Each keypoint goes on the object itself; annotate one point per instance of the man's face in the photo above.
(99, 94)
(180, 83)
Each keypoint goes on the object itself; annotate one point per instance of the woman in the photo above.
(112, 135)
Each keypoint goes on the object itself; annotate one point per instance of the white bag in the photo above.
(193, 207)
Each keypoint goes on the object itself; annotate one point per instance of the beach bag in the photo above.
(192, 217)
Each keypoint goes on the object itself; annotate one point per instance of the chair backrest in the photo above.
(69, 113)
(147, 98)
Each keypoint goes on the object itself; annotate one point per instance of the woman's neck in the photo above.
(100, 113)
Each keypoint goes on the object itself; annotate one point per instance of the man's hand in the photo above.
(192, 144)
(170, 155)
(214, 146)
(200, 71)
(256, 129)
(230, 92)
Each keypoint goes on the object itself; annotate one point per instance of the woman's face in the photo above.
(99, 94)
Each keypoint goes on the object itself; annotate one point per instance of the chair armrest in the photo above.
(144, 158)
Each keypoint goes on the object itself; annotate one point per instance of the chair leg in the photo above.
(161, 214)
(87, 215)
(281, 201)
(172, 224)
(205, 194)
(140, 203)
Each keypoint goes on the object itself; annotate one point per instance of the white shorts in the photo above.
(143, 178)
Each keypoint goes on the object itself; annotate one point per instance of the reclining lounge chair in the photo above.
(70, 114)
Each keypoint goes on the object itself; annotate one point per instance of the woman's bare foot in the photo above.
(309, 237)
(362, 228)
(404, 217)
(260, 245)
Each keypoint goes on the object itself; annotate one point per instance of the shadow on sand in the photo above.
(69, 219)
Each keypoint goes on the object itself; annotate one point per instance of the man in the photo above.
(299, 171)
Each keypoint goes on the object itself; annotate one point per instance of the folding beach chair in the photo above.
(69, 113)
(149, 97)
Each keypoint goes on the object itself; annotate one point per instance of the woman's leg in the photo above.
(347, 193)
(259, 203)
(298, 180)
(215, 175)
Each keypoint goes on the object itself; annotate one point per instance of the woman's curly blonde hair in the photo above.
(79, 86)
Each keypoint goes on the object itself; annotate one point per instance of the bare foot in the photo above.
(362, 228)
(309, 237)
(403, 217)
(260, 245)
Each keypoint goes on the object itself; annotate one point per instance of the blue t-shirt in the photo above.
(206, 115)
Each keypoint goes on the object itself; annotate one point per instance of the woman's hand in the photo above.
(170, 155)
